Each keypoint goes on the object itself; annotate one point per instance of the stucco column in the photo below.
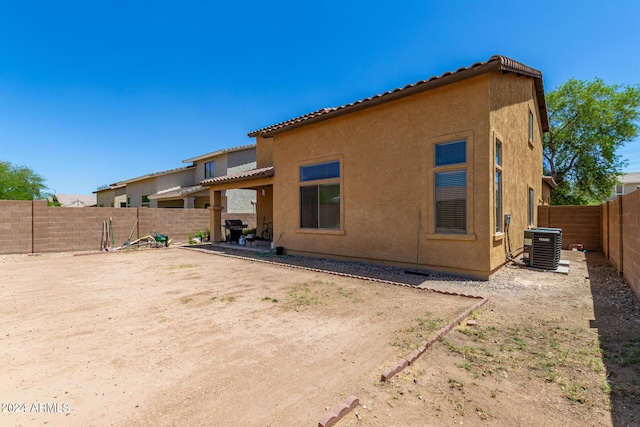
(189, 202)
(216, 215)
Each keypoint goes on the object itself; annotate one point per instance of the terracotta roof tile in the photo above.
(240, 176)
(495, 63)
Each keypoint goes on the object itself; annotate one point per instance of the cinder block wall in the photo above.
(605, 228)
(32, 226)
(631, 240)
(58, 229)
(579, 224)
(16, 218)
(178, 224)
(614, 244)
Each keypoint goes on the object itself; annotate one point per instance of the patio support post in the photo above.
(216, 215)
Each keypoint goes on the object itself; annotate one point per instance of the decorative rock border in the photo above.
(332, 417)
(409, 359)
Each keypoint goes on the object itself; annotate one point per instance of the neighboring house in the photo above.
(548, 185)
(112, 196)
(180, 188)
(76, 200)
(421, 176)
(626, 184)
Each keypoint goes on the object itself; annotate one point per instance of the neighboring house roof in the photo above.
(220, 152)
(110, 187)
(152, 175)
(175, 193)
(76, 200)
(550, 181)
(240, 176)
(630, 178)
(495, 63)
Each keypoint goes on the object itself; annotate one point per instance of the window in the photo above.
(530, 127)
(320, 171)
(451, 153)
(451, 202)
(320, 201)
(145, 201)
(451, 187)
(498, 186)
(209, 169)
(531, 207)
(128, 201)
(619, 188)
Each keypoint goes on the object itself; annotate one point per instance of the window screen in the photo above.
(320, 206)
(451, 202)
(320, 171)
(451, 153)
(209, 170)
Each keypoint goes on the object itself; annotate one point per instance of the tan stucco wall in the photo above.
(387, 177)
(387, 158)
(264, 152)
(512, 98)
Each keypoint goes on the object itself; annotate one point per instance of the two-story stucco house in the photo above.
(425, 175)
(180, 188)
(626, 184)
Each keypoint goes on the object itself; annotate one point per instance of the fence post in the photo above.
(33, 239)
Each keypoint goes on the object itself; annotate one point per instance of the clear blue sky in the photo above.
(96, 92)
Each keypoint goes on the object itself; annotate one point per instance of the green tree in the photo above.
(588, 122)
(20, 183)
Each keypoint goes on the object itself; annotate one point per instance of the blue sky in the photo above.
(96, 92)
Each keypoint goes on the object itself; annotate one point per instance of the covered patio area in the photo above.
(260, 180)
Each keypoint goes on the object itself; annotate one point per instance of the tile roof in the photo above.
(220, 152)
(152, 175)
(629, 178)
(110, 187)
(240, 176)
(76, 200)
(176, 193)
(495, 63)
(549, 181)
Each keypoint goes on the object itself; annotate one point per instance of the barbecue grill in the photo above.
(234, 229)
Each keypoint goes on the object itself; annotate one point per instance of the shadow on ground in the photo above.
(617, 319)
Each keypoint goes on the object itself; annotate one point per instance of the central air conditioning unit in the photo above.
(542, 248)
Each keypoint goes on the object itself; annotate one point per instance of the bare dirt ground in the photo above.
(177, 337)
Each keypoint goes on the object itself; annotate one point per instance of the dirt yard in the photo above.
(177, 337)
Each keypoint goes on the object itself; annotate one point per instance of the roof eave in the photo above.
(495, 63)
(220, 152)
